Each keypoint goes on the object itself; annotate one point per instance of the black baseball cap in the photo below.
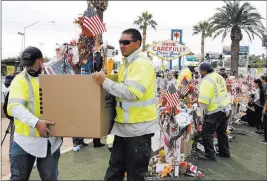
(205, 66)
(30, 55)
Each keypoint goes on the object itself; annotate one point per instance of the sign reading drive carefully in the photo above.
(168, 50)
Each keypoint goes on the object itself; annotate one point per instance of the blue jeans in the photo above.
(22, 164)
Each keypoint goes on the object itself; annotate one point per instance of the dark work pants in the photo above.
(216, 123)
(258, 116)
(131, 155)
(77, 141)
(12, 130)
(22, 163)
(265, 126)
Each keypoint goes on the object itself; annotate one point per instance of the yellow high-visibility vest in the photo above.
(24, 90)
(213, 92)
(140, 78)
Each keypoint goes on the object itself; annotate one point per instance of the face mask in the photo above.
(34, 73)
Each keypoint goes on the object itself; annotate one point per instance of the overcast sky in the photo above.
(119, 16)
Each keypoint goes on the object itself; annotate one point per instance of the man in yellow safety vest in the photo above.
(32, 137)
(215, 105)
(136, 109)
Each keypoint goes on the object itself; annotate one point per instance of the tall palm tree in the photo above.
(234, 17)
(205, 28)
(143, 22)
(100, 6)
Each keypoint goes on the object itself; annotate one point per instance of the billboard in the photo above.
(243, 50)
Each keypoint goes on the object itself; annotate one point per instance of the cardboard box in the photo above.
(186, 148)
(78, 106)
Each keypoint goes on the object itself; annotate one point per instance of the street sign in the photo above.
(191, 58)
(243, 50)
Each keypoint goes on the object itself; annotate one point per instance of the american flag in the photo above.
(185, 87)
(172, 96)
(92, 22)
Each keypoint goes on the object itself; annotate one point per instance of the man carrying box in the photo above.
(136, 109)
(32, 136)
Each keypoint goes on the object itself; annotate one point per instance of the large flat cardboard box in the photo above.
(78, 106)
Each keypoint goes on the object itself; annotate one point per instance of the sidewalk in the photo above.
(248, 162)
(66, 146)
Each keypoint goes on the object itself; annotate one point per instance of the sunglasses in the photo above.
(126, 42)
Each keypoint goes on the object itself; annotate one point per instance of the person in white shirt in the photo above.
(32, 139)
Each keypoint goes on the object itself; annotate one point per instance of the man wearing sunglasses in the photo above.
(136, 109)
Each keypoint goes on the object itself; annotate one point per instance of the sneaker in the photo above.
(263, 141)
(76, 148)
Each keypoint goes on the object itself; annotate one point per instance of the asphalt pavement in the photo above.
(247, 162)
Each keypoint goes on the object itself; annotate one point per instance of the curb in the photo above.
(7, 177)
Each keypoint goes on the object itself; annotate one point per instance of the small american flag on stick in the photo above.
(172, 96)
(92, 22)
(185, 87)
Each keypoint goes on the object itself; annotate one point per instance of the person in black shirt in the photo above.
(223, 74)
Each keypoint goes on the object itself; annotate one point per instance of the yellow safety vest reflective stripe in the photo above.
(220, 100)
(110, 139)
(33, 106)
(145, 108)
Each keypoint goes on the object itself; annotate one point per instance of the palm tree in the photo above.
(144, 21)
(203, 27)
(234, 17)
(100, 6)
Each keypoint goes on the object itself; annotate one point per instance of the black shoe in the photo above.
(223, 155)
(82, 143)
(206, 157)
(99, 145)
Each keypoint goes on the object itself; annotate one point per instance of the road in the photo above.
(248, 162)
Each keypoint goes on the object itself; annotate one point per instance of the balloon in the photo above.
(184, 74)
